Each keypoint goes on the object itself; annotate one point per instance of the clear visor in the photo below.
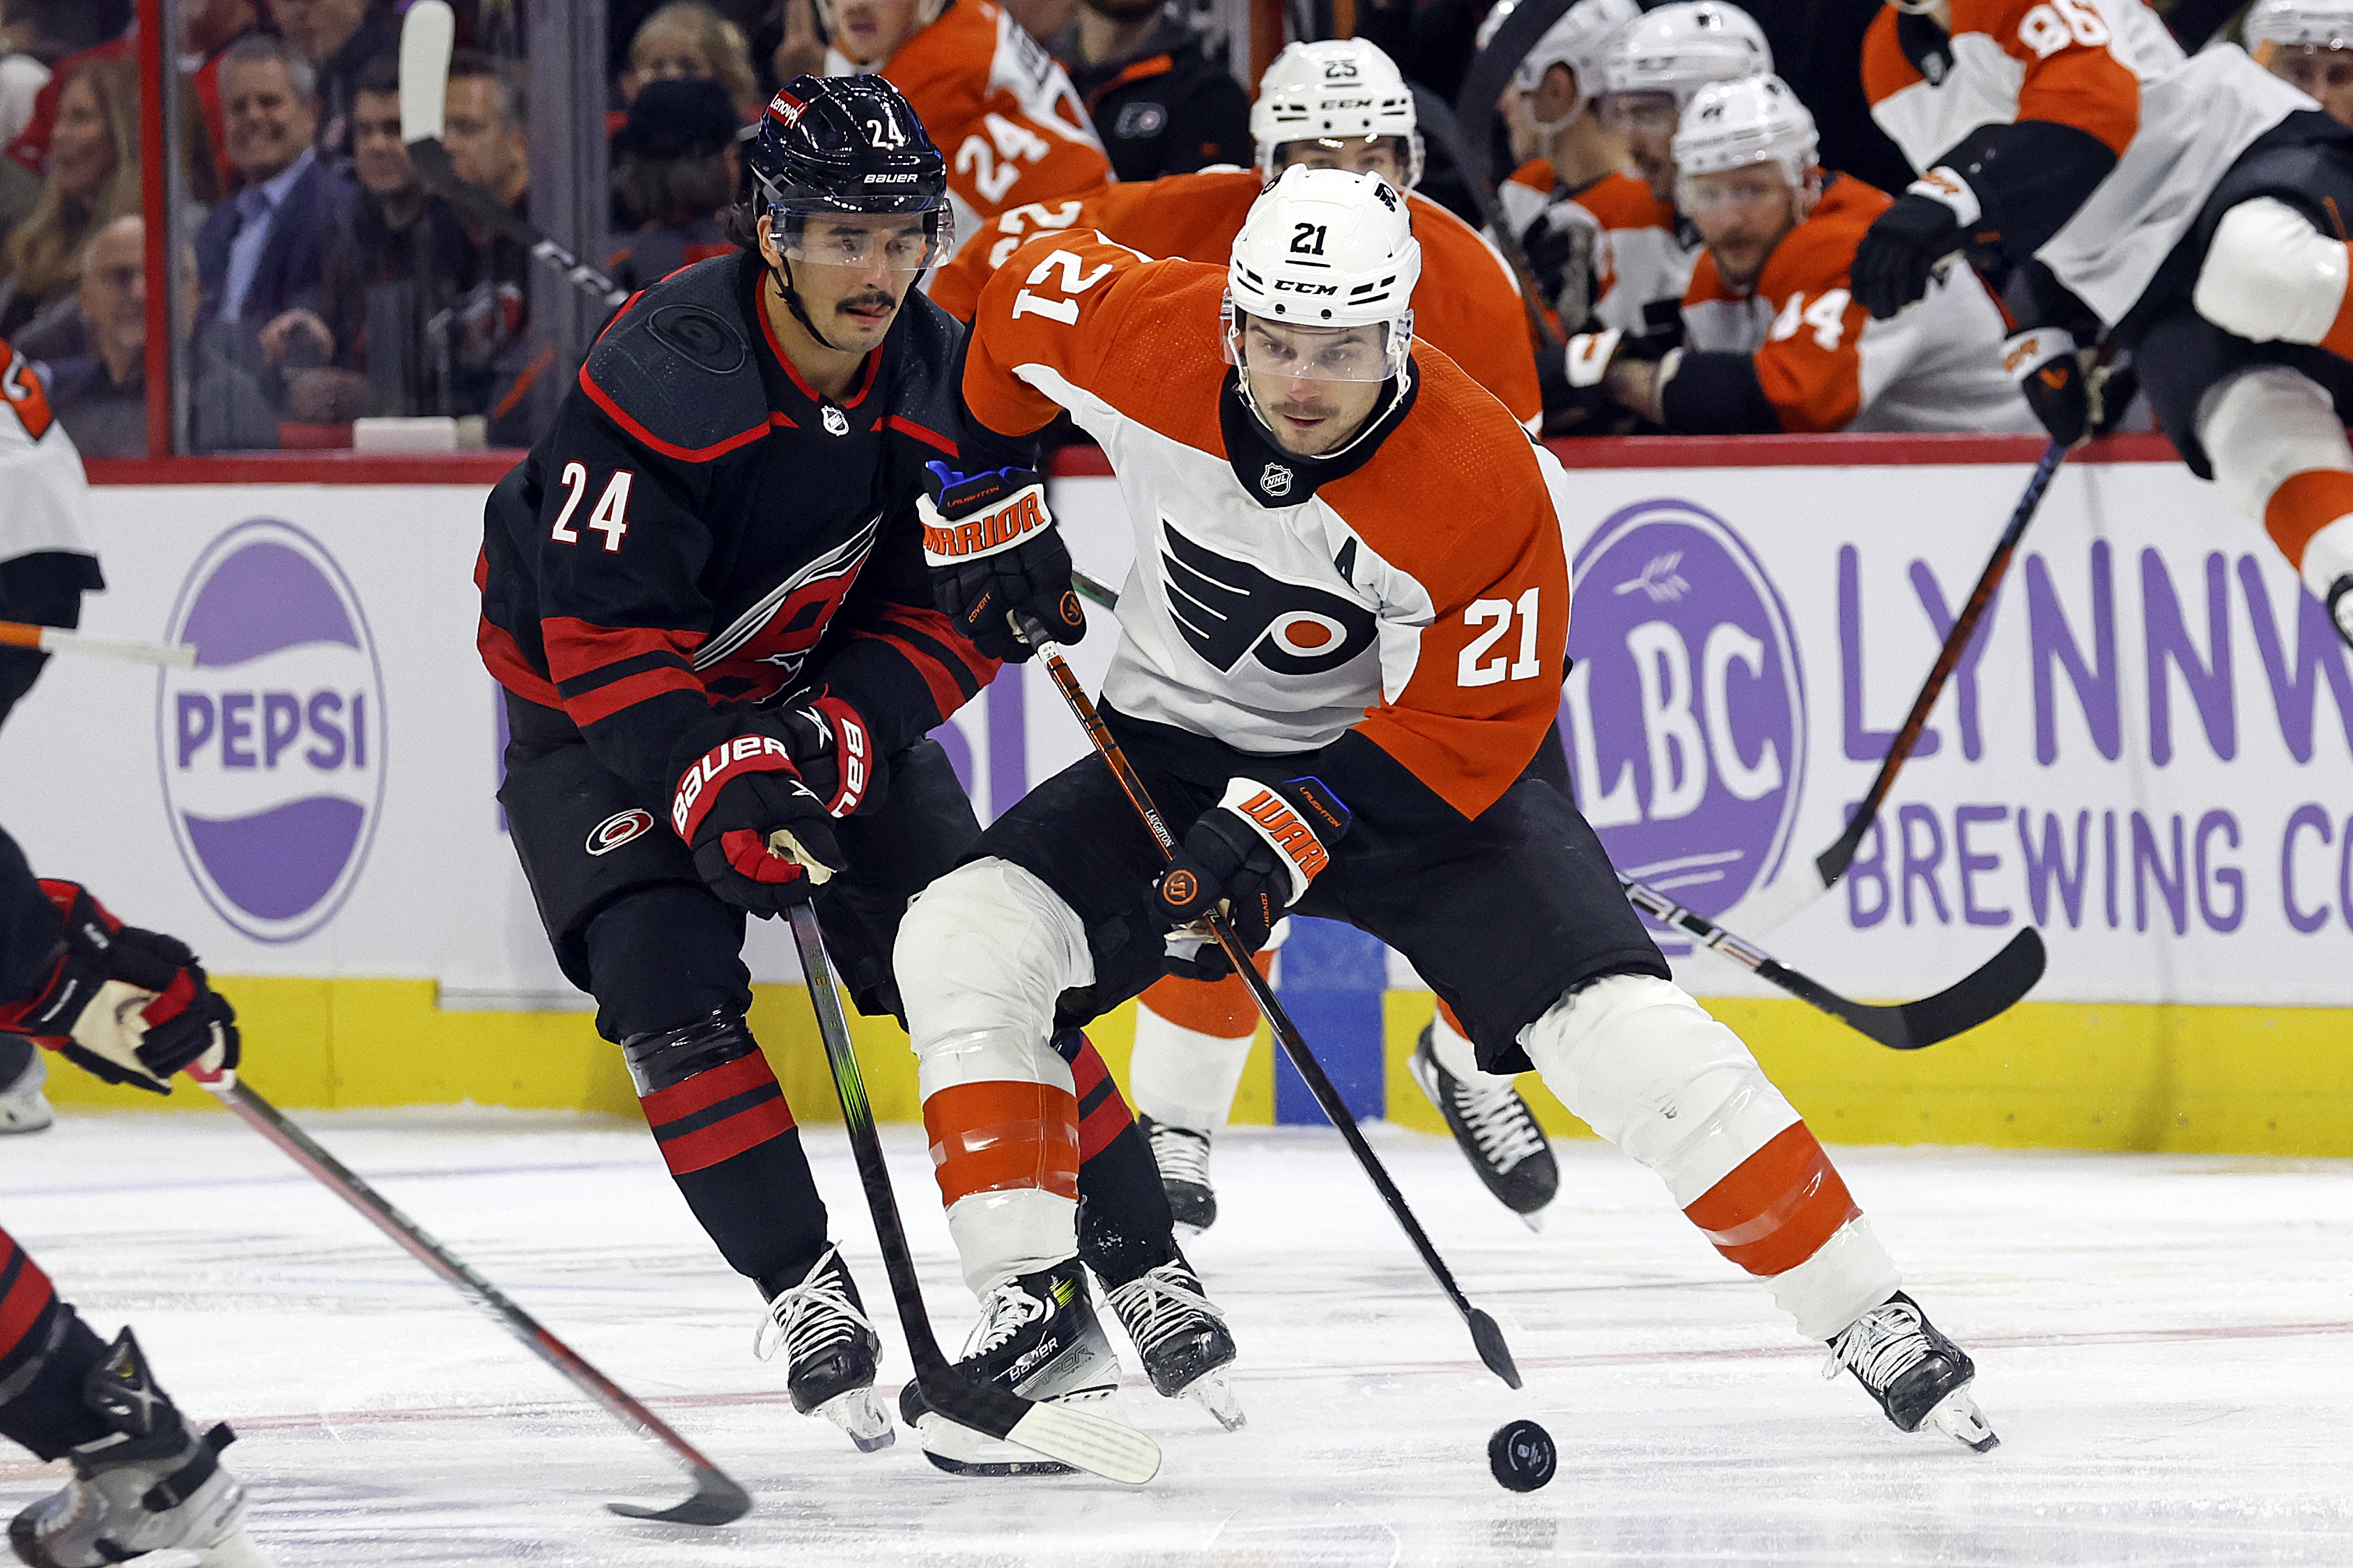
(1387, 156)
(867, 242)
(1648, 112)
(1753, 188)
(1270, 350)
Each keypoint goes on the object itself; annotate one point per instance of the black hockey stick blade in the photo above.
(1492, 1348)
(1975, 999)
(717, 1500)
(1108, 1448)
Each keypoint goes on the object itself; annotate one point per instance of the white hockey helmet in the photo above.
(1680, 47)
(2300, 24)
(1326, 248)
(1580, 40)
(1338, 90)
(1735, 124)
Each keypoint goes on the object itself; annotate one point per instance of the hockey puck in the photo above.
(1522, 1455)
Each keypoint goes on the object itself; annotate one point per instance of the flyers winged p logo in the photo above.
(1230, 610)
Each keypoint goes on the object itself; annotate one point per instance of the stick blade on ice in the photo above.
(427, 34)
(717, 1500)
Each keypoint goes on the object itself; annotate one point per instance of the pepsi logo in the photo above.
(1685, 714)
(619, 829)
(272, 748)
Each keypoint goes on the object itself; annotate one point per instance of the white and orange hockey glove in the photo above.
(1248, 858)
(993, 549)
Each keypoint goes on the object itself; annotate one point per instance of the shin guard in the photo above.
(1006, 1155)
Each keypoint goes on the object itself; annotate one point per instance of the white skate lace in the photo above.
(1006, 1312)
(1499, 1120)
(1182, 1154)
(1160, 1303)
(810, 1317)
(1882, 1345)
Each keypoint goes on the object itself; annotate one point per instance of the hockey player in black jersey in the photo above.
(705, 596)
(132, 1007)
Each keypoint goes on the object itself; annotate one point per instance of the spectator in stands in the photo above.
(339, 38)
(690, 41)
(1161, 105)
(675, 166)
(264, 249)
(93, 179)
(209, 28)
(488, 137)
(100, 397)
(2309, 44)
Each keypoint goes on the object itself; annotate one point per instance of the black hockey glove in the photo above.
(993, 549)
(761, 839)
(1249, 858)
(125, 1004)
(2050, 372)
(834, 752)
(1898, 254)
(1574, 381)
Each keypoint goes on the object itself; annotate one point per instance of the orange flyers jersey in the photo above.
(2107, 67)
(1643, 255)
(999, 107)
(47, 504)
(1410, 592)
(1467, 307)
(1826, 365)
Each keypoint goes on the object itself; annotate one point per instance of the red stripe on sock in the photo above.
(743, 1132)
(1111, 1116)
(1777, 1206)
(707, 1088)
(27, 1299)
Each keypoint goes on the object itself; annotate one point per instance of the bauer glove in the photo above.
(1899, 254)
(761, 839)
(125, 1004)
(993, 549)
(1248, 858)
(833, 751)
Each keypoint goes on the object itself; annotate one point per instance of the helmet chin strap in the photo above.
(783, 275)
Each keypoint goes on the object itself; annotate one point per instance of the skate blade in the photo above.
(1213, 1394)
(1956, 1416)
(1533, 1220)
(861, 1416)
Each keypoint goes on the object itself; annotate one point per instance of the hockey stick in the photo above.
(1091, 1442)
(1484, 1334)
(1802, 885)
(425, 34)
(57, 639)
(1977, 996)
(717, 1500)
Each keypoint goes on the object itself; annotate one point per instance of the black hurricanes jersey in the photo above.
(701, 529)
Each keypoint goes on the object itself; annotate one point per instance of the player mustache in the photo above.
(872, 299)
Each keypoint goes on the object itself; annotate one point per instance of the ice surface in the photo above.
(2166, 1346)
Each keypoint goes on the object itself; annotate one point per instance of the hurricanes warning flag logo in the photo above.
(1227, 610)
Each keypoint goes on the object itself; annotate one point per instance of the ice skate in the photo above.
(1496, 1132)
(1181, 1337)
(830, 1352)
(1914, 1371)
(150, 1491)
(1183, 1156)
(1038, 1337)
(22, 1107)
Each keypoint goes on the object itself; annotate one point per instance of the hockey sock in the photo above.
(728, 1137)
(2310, 518)
(1006, 1155)
(1125, 1229)
(1777, 1206)
(1192, 1041)
(45, 1350)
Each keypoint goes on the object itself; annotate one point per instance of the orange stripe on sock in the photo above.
(2304, 504)
(1452, 1022)
(1219, 1009)
(1777, 1206)
(998, 1136)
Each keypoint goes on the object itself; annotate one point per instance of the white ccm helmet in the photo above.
(1735, 124)
(1580, 41)
(1323, 248)
(1343, 88)
(2300, 24)
(1682, 47)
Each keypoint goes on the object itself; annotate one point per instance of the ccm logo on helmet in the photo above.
(727, 757)
(619, 829)
(1291, 286)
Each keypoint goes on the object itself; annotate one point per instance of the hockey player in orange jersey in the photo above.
(1339, 653)
(2193, 208)
(1552, 113)
(1340, 104)
(1773, 340)
(994, 101)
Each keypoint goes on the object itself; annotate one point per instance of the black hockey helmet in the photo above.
(845, 144)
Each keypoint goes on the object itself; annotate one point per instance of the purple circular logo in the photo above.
(1685, 715)
(272, 747)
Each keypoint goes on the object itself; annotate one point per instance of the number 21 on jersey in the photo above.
(1473, 668)
(1076, 279)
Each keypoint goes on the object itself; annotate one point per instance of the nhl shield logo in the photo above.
(1276, 480)
(836, 423)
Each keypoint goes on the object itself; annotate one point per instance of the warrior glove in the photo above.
(128, 1005)
(1900, 252)
(762, 840)
(2049, 373)
(1249, 858)
(993, 550)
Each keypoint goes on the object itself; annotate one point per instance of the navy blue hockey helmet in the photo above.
(845, 144)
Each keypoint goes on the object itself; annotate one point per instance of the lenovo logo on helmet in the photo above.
(1292, 286)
